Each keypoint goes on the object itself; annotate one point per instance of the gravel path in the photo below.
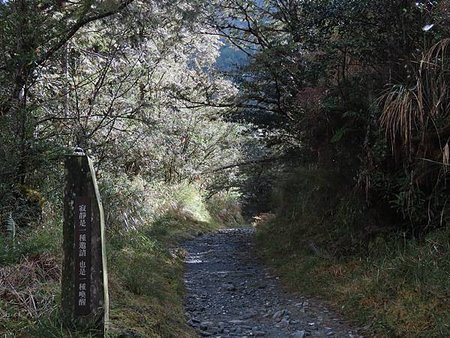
(230, 294)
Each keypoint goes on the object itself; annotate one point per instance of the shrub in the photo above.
(225, 207)
(315, 209)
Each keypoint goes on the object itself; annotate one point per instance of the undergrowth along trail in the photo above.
(145, 269)
(323, 241)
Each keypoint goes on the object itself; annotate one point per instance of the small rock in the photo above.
(298, 334)
(206, 325)
(229, 287)
(277, 315)
(258, 333)
(192, 323)
(284, 322)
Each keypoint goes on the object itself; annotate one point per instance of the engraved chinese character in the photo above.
(82, 215)
(82, 268)
(82, 287)
(82, 294)
(82, 253)
(82, 237)
(82, 302)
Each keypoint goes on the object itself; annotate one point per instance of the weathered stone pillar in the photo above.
(85, 303)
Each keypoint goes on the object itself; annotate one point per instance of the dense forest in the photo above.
(325, 122)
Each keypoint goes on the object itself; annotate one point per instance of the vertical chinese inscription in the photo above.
(82, 218)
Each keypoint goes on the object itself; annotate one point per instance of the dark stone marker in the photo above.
(85, 303)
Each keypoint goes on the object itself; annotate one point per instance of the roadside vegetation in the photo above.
(135, 85)
(144, 261)
(329, 120)
(387, 283)
(353, 98)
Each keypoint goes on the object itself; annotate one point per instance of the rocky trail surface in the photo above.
(231, 294)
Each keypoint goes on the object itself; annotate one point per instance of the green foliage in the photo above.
(317, 85)
(46, 238)
(133, 203)
(415, 122)
(138, 90)
(52, 326)
(144, 99)
(146, 285)
(189, 201)
(225, 208)
(145, 268)
(317, 212)
(397, 288)
(325, 241)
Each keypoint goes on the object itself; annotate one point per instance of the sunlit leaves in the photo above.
(142, 98)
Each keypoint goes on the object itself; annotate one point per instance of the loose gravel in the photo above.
(230, 293)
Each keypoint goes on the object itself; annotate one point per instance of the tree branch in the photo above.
(251, 162)
(76, 27)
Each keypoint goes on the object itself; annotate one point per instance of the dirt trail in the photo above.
(231, 294)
